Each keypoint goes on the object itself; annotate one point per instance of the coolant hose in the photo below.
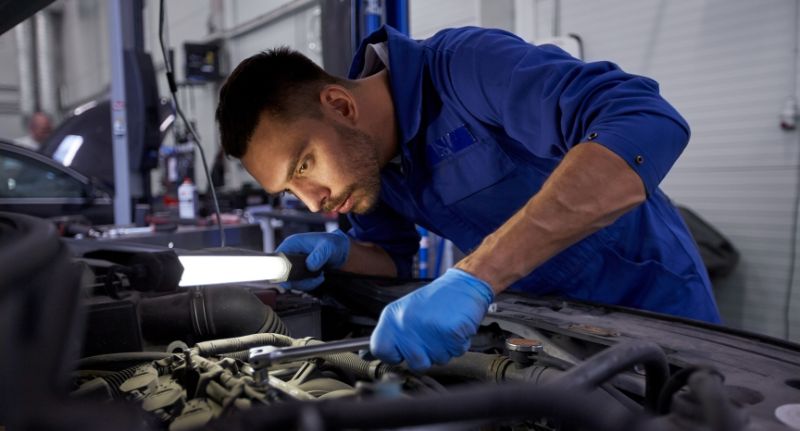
(618, 358)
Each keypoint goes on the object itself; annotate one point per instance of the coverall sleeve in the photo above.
(549, 101)
(385, 227)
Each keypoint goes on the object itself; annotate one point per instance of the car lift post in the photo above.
(119, 129)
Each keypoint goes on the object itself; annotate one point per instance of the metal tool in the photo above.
(228, 267)
(265, 356)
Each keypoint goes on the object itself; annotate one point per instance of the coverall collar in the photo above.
(406, 87)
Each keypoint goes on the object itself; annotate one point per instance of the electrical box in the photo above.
(202, 62)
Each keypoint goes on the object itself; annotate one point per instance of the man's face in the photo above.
(40, 127)
(328, 165)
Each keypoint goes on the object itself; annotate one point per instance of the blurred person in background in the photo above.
(40, 126)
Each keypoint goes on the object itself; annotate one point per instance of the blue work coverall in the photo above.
(483, 120)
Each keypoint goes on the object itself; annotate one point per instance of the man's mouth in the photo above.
(346, 205)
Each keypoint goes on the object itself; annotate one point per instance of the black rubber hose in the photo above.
(206, 313)
(483, 367)
(236, 344)
(119, 361)
(274, 324)
(501, 402)
(673, 385)
(618, 358)
(560, 364)
(719, 412)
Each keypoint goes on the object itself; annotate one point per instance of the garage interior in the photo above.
(108, 139)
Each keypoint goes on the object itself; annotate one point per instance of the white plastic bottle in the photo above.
(187, 200)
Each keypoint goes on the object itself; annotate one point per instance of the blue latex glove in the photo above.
(433, 324)
(324, 249)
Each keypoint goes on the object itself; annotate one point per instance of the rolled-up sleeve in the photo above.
(549, 101)
(386, 228)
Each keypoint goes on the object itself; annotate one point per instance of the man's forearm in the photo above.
(589, 189)
(369, 259)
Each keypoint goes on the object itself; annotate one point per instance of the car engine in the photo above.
(99, 337)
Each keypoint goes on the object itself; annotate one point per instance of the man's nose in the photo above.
(313, 195)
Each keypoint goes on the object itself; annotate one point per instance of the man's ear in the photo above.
(340, 101)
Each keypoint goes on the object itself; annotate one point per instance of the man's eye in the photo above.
(302, 168)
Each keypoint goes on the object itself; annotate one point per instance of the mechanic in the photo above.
(544, 169)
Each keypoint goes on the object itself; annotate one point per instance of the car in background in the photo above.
(73, 173)
(84, 139)
(33, 184)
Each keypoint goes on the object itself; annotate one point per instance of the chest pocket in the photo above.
(462, 165)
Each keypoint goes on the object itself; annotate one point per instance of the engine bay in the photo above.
(101, 338)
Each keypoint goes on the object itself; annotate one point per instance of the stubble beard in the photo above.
(361, 159)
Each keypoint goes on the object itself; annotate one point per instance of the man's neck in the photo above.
(377, 110)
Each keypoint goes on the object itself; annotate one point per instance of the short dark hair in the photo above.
(280, 81)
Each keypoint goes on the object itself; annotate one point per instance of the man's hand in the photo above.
(327, 250)
(434, 323)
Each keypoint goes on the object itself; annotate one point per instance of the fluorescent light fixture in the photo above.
(83, 108)
(199, 270)
(166, 123)
(67, 149)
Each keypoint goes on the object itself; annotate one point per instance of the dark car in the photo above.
(94, 156)
(33, 184)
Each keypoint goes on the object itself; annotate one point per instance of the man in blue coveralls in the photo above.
(544, 169)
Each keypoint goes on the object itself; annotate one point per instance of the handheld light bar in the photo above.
(201, 270)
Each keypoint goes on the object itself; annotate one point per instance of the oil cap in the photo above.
(524, 345)
(522, 350)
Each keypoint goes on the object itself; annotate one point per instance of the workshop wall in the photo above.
(728, 66)
(10, 121)
(83, 52)
(66, 58)
(427, 17)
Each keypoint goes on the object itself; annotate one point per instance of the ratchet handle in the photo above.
(266, 356)
(299, 270)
